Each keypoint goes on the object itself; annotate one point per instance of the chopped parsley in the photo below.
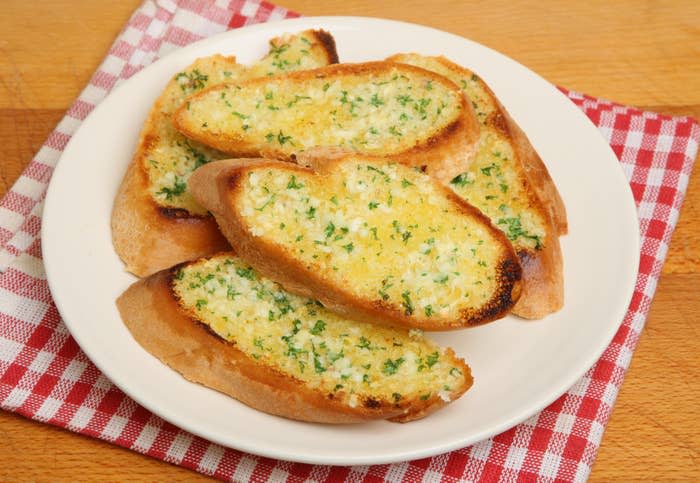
(407, 302)
(442, 278)
(330, 229)
(293, 185)
(282, 139)
(403, 100)
(432, 359)
(390, 366)
(191, 80)
(513, 229)
(462, 180)
(318, 327)
(176, 190)
(375, 100)
(246, 273)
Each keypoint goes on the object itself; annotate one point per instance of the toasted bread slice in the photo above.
(220, 324)
(378, 108)
(372, 241)
(509, 183)
(155, 222)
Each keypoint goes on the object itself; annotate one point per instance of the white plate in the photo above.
(519, 366)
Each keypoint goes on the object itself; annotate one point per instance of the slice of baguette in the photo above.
(378, 108)
(509, 183)
(373, 241)
(220, 324)
(155, 221)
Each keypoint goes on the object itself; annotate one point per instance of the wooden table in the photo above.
(642, 53)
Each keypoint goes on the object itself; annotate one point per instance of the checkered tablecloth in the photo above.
(45, 376)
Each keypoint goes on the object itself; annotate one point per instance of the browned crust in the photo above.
(543, 272)
(543, 278)
(157, 321)
(537, 174)
(444, 154)
(148, 237)
(328, 43)
(216, 186)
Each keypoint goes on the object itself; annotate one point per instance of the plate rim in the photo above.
(319, 22)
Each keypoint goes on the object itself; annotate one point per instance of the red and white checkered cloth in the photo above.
(45, 376)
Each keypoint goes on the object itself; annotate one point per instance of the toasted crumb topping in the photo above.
(353, 361)
(171, 160)
(386, 232)
(495, 182)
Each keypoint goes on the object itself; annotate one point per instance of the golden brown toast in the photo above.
(221, 324)
(372, 240)
(509, 183)
(377, 108)
(155, 221)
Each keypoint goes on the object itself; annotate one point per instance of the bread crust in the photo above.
(149, 237)
(328, 43)
(158, 322)
(543, 279)
(216, 187)
(543, 269)
(444, 154)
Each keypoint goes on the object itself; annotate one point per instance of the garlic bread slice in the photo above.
(155, 221)
(372, 240)
(378, 108)
(510, 184)
(221, 324)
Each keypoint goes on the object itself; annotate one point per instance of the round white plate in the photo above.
(519, 367)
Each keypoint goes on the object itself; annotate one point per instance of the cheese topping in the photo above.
(300, 338)
(387, 233)
(172, 158)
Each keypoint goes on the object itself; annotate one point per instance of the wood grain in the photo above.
(638, 52)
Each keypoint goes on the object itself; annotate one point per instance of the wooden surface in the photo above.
(636, 52)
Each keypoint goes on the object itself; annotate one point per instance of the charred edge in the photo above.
(328, 42)
(179, 213)
(371, 403)
(509, 272)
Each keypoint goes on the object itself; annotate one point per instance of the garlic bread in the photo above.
(377, 108)
(155, 221)
(509, 183)
(372, 240)
(221, 324)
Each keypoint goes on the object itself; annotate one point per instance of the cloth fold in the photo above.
(45, 376)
